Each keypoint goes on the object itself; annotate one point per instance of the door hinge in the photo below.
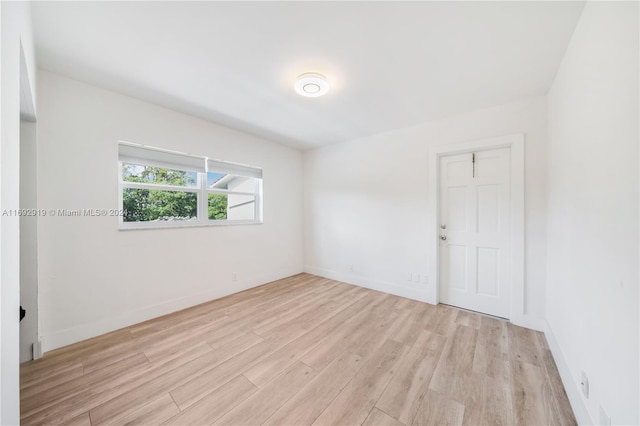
(473, 164)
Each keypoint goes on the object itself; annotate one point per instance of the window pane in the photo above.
(218, 206)
(241, 207)
(158, 175)
(232, 207)
(230, 182)
(149, 205)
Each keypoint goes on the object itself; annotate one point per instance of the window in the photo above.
(161, 188)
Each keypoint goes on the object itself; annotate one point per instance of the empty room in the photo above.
(319, 212)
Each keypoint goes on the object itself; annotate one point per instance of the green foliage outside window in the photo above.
(217, 206)
(145, 205)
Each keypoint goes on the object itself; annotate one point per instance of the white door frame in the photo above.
(516, 144)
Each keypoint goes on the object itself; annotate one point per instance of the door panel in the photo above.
(488, 200)
(488, 271)
(474, 232)
(457, 267)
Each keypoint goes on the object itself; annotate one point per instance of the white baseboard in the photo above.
(414, 293)
(78, 333)
(528, 321)
(570, 384)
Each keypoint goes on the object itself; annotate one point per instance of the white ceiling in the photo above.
(390, 64)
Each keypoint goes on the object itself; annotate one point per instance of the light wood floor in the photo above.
(303, 350)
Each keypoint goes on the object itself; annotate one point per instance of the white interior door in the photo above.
(475, 231)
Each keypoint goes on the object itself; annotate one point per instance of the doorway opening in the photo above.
(478, 225)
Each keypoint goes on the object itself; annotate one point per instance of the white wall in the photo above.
(94, 278)
(366, 202)
(592, 245)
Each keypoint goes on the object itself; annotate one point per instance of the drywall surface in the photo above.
(17, 41)
(95, 278)
(366, 203)
(592, 245)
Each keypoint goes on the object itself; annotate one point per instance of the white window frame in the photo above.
(205, 202)
(158, 157)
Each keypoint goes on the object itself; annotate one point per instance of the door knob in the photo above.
(443, 237)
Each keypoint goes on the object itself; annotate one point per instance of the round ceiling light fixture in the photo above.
(311, 85)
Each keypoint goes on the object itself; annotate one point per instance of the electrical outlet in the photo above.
(351, 268)
(234, 277)
(415, 278)
(410, 276)
(584, 385)
(425, 279)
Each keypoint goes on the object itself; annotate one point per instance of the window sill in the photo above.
(154, 225)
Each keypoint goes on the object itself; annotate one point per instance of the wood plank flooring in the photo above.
(300, 351)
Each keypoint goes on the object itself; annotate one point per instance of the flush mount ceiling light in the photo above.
(311, 85)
